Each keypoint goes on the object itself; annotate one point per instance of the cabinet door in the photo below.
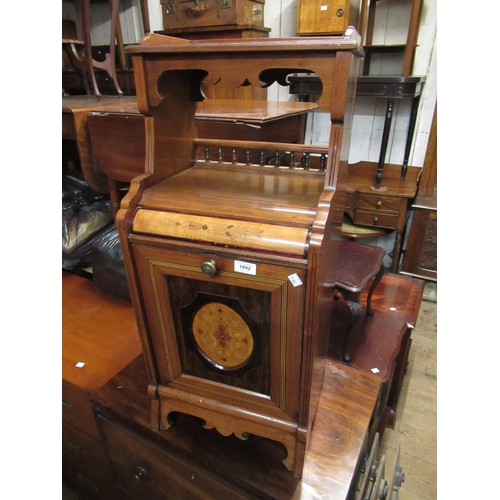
(235, 335)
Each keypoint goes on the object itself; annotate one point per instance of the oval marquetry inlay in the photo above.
(222, 336)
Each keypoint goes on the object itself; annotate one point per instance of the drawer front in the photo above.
(374, 219)
(145, 471)
(85, 464)
(379, 203)
(77, 410)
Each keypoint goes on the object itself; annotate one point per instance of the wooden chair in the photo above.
(80, 50)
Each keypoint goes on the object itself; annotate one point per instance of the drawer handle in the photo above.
(375, 220)
(209, 267)
(379, 204)
(74, 448)
(140, 474)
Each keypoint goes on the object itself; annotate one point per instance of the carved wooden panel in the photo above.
(420, 257)
(428, 255)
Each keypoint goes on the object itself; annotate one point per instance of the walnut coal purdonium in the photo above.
(231, 261)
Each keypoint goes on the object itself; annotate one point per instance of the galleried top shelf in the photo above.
(273, 183)
(257, 62)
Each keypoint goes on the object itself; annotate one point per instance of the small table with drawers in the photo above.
(385, 207)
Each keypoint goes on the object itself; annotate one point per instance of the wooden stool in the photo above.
(358, 265)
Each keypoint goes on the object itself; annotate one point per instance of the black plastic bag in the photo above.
(85, 213)
(107, 263)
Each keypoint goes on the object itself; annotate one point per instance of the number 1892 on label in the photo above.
(245, 267)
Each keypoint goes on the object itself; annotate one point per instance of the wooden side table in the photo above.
(360, 264)
(74, 127)
(388, 87)
(383, 209)
(83, 59)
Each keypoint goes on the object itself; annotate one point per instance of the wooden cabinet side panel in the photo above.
(420, 257)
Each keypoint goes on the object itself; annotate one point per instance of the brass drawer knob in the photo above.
(140, 473)
(209, 267)
(379, 204)
(375, 220)
(340, 12)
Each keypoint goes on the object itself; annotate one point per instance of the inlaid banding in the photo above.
(243, 234)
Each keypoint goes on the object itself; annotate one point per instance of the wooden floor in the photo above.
(416, 424)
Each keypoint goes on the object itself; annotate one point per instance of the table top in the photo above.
(250, 111)
(228, 110)
(367, 85)
(360, 263)
(361, 178)
(398, 295)
(99, 330)
(426, 202)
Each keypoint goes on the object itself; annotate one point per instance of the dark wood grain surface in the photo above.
(347, 401)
